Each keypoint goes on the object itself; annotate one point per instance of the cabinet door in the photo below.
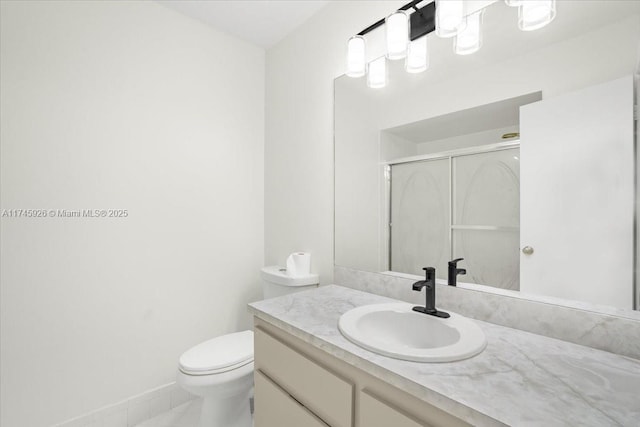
(276, 408)
(577, 188)
(376, 413)
(318, 389)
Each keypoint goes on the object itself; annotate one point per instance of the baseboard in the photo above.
(134, 410)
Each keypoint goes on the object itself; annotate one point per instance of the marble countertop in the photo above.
(520, 379)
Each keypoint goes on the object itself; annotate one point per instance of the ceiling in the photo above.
(261, 22)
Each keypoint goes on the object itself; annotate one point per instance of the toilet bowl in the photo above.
(220, 370)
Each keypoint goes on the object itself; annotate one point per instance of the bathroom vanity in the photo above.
(308, 374)
(298, 384)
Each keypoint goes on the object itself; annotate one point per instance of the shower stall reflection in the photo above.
(458, 204)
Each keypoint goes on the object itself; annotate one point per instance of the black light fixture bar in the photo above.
(423, 20)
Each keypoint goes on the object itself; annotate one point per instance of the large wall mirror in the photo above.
(521, 159)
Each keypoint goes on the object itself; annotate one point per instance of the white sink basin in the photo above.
(395, 330)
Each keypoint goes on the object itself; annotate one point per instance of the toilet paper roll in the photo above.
(299, 264)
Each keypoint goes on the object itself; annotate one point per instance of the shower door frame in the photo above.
(442, 155)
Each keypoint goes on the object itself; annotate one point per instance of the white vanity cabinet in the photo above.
(375, 412)
(316, 388)
(277, 408)
(299, 385)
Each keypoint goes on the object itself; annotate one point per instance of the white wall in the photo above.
(299, 131)
(122, 105)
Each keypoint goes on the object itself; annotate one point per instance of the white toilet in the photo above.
(220, 370)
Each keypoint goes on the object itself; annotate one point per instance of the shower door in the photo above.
(420, 216)
(463, 205)
(486, 217)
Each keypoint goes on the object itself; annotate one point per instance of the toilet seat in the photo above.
(218, 355)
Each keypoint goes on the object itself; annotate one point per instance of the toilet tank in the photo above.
(276, 282)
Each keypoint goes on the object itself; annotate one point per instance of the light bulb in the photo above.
(356, 62)
(397, 26)
(417, 56)
(469, 40)
(449, 17)
(377, 75)
(535, 14)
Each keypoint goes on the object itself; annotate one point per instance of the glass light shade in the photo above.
(356, 62)
(469, 40)
(449, 17)
(513, 3)
(417, 56)
(397, 26)
(535, 14)
(377, 75)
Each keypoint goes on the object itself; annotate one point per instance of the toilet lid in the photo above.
(219, 353)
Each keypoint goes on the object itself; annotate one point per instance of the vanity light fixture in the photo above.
(469, 40)
(535, 14)
(417, 56)
(450, 18)
(403, 31)
(356, 59)
(397, 25)
(377, 76)
(407, 28)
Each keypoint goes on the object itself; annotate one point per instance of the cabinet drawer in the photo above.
(325, 394)
(275, 408)
(377, 413)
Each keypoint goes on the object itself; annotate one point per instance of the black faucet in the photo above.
(430, 284)
(454, 271)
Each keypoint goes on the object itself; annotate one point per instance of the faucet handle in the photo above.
(429, 273)
(454, 271)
